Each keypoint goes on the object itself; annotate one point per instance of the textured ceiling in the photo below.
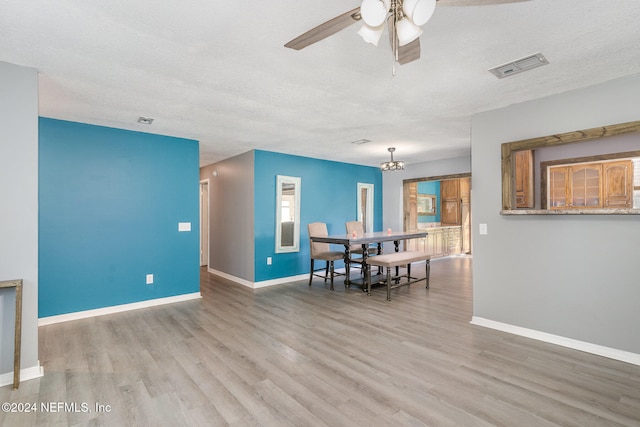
(217, 71)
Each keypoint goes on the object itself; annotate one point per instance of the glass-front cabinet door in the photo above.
(558, 185)
(585, 186)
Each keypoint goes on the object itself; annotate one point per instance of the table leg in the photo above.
(367, 269)
(396, 244)
(347, 281)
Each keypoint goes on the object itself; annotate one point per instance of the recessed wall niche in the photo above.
(609, 142)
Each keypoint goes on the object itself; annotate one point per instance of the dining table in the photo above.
(366, 239)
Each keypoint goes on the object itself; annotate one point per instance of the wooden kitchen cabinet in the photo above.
(450, 202)
(594, 185)
(524, 179)
(618, 184)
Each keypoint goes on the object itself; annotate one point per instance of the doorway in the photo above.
(440, 205)
(204, 223)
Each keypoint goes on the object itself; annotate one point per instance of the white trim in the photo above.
(25, 375)
(289, 279)
(612, 353)
(232, 278)
(205, 181)
(370, 205)
(297, 182)
(280, 281)
(116, 309)
(256, 285)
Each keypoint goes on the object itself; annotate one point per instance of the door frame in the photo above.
(205, 243)
(406, 202)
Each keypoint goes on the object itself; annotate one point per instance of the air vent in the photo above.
(145, 120)
(519, 65)
(361, 141)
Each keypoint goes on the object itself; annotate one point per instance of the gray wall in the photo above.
(571, 276)
(231, 225)
(19, 209)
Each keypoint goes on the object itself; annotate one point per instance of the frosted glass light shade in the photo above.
(371, 34)
(419, 11)
(374, 12)
(407, 31)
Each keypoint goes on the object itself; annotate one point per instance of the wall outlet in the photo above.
(149, 279)
(269, 260)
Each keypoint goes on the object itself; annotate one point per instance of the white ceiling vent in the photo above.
(519, 65)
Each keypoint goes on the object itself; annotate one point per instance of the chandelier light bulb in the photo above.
(371, 34)
(407, 31)
(404, 19)
(373, 12)
(419, 11)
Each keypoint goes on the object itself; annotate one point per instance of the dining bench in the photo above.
(399, 259)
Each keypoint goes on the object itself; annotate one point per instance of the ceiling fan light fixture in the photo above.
(373, 12)
(419, 11)
(371, 34)
(407, 31)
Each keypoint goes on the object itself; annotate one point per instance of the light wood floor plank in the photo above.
(307, 356)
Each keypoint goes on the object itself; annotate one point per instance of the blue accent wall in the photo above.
(329, 191)
(109, 205)
(430, 187)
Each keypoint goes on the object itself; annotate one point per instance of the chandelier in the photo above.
(391, 165)
(404, 18)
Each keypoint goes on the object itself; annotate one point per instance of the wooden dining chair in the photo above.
(322, 252)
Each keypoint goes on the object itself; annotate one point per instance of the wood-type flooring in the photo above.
(293, 355)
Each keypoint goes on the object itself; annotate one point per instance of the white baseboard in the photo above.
(243, 282)
(611, 353)
(256, 285)
(116, 309)
(280, 281)
(25, 375)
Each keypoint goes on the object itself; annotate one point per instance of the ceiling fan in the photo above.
(403, 19)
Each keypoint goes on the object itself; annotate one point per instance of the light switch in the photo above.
(483, 228)
(149, 279)
(184, 226)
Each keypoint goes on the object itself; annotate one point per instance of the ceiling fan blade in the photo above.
(409, 52)
(476, 2)
(325, 30)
